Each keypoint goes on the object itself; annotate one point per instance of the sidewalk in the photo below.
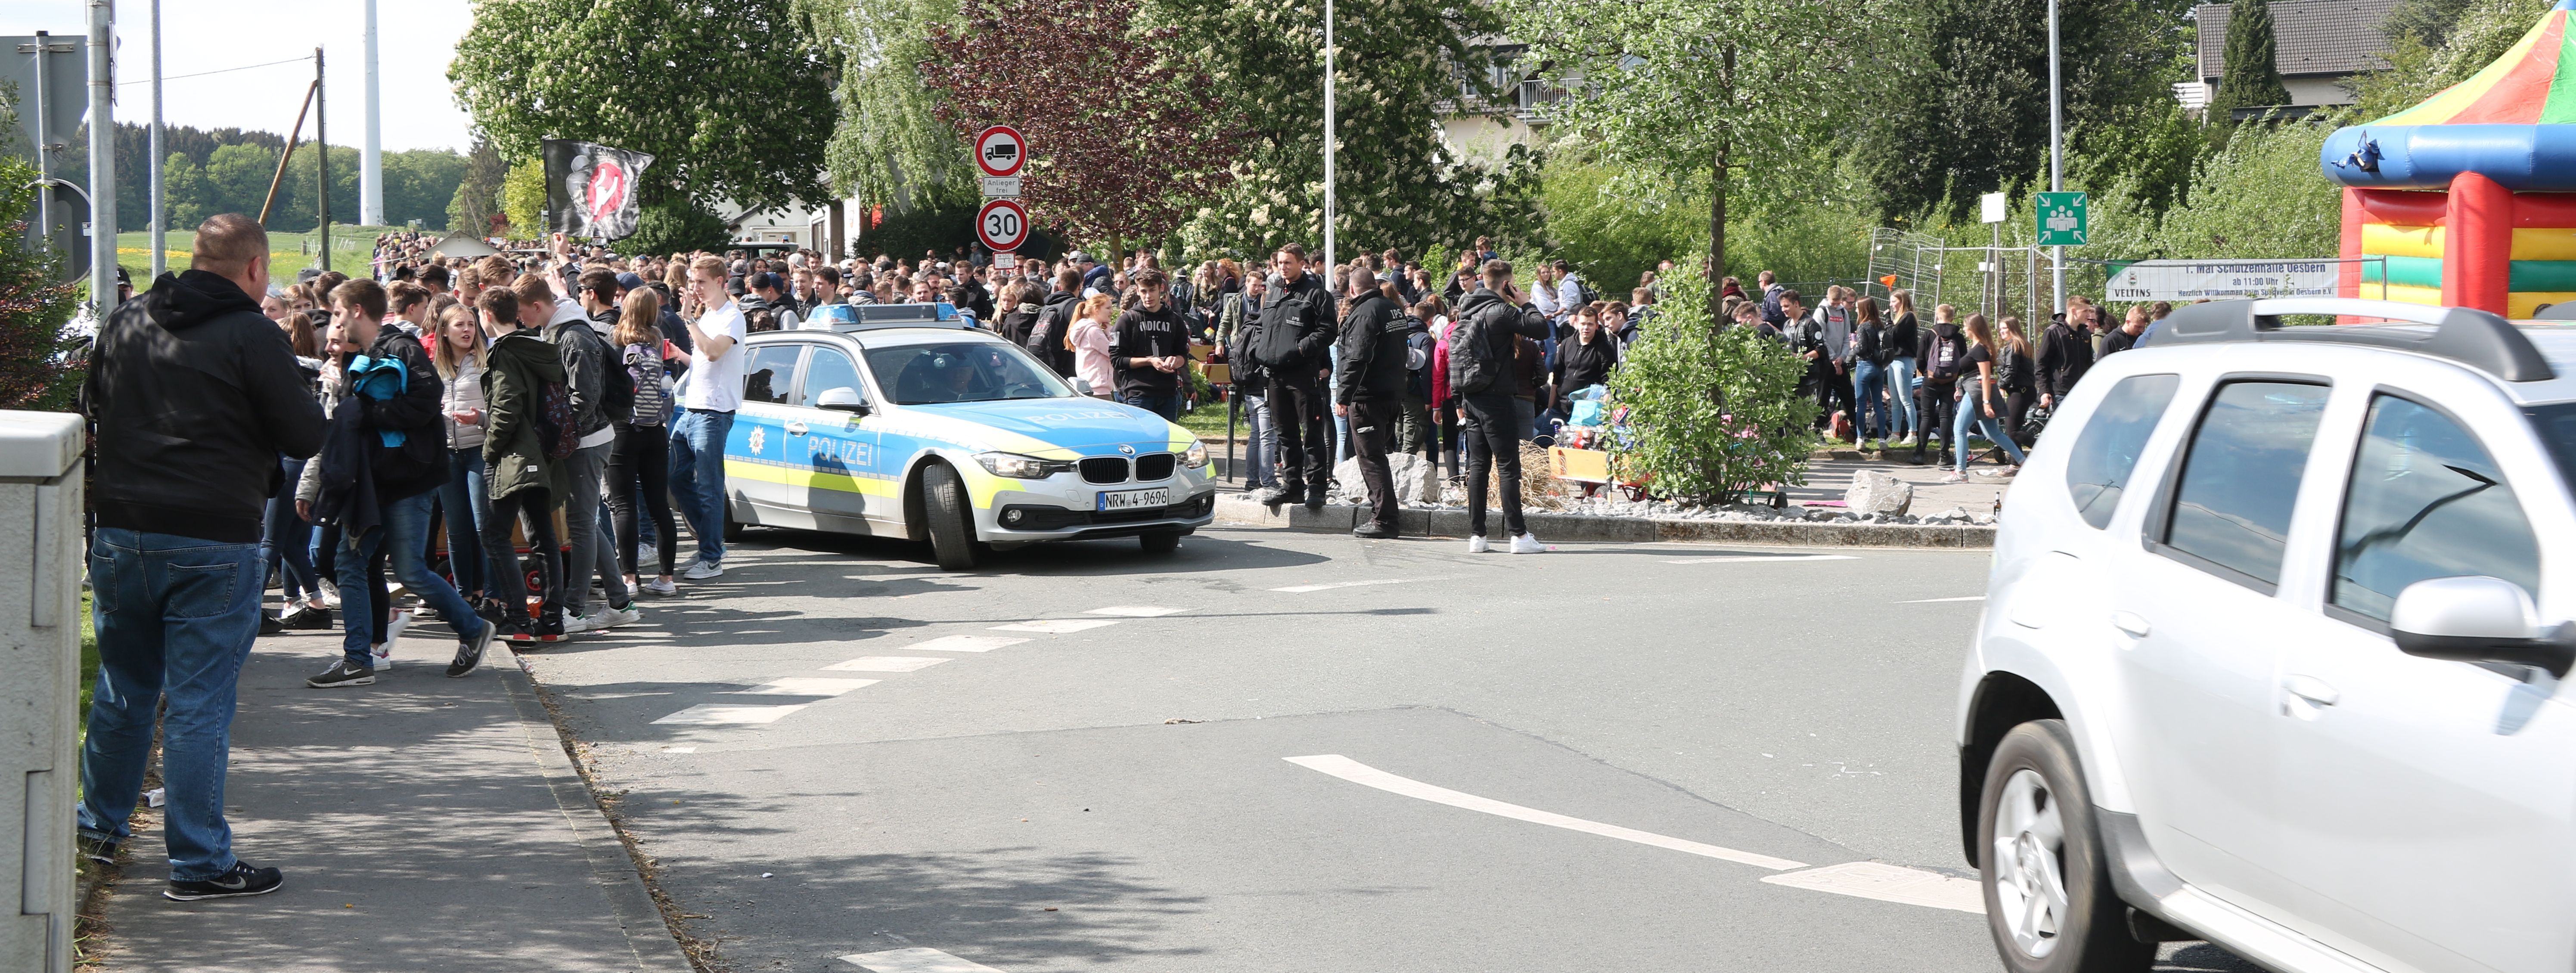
(423, 823)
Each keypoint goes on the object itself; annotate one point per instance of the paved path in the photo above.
(423, 823)
(1275, 751)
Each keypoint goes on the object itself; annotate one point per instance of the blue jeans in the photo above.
(1973, 416)
(289, 540)
(406, 525)
(1900, 398)
(698, 477)
(1869, 387)
(175, 618)
(467, 506)
(1263, 449)
(1167, 406)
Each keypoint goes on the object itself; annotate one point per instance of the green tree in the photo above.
(185, 193)
(1614, 228)
(729, 98)
(1960, 108)
(888, 147)
(2250, 76)
(478, 195)
(523, 198)
(1713, 415)
(1398, 183)
(675, 226)
(419, 184)
(1135, 179)
(237, 177)
(1711, 92)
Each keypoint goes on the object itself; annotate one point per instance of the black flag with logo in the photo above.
(590, 189)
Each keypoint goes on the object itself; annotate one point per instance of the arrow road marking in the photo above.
(885, 663)
(1304, 588)
(1768, 558)
(966, 643)
(1057, 626)
(1867, 880)
(1136, 611)
(1365, 775)
(918, 959)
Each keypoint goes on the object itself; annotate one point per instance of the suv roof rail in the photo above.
(2468, 336)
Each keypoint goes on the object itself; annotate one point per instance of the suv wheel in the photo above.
(952, 524)
(2049, 902)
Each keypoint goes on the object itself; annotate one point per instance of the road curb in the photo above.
(1235, 508)
(612, 869)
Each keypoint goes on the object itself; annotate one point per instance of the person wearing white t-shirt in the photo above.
(709, 394)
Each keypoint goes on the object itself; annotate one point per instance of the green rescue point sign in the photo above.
(2061, 220)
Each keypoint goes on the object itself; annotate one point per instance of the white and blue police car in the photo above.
(897, 423)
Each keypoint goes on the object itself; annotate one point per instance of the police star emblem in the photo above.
(757, 435)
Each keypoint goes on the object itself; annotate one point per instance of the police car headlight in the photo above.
(1196, 457)
(1020, 467)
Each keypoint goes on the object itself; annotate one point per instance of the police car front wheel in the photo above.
(952, 525)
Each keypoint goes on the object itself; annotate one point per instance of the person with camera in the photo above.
(1296, 323)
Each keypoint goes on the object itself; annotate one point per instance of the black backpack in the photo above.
(1949, 359)
(1472, 365)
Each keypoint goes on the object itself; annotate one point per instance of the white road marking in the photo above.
(1304, 588)
(1136, 611)
(1889, 883)
(1769, 558)
(1365, 775)
(886, 663)
(965, 643)
(918, 959)
(1057, 626)
(1935, 601)
(713, 714)
(679, 749)
(807, 686)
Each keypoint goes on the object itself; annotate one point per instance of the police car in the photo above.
(897, 423)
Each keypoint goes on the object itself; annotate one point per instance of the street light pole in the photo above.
(2056, 160)
(102, 156)
(160, 256)
(1331, 135)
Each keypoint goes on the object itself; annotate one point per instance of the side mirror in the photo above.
(842, 399)
(2479, 619)
(1082, 385)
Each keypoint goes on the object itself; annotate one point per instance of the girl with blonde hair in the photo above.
(1089, 341)
(1981, 399)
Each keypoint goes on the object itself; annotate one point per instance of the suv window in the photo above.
(828, 369)
(2425, 502)
(769, 373)
(2240, 481)
(2097, 470)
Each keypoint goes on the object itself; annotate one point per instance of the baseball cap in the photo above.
(629, 280)
(1081, 258)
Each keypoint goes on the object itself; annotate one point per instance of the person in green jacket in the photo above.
(521, 479)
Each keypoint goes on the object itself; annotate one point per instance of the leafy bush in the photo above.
(1710, 416)
(37, 366)
(675, 226)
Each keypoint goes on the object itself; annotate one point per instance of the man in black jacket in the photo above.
(1055, 321)
(1498, 315)
(599, 390)
(2065, 352)
(1370, 391)
(192, 396)
(1149, 345)
(1296, 328)
(391, 398)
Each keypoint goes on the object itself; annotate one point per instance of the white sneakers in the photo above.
(394, 628)
(1523, 544)
(661, 587)
(703, 570)
(384, 656)
(603, 619)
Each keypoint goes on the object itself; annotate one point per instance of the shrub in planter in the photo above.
(1710, 415)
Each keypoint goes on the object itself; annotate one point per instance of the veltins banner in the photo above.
(2192, 280)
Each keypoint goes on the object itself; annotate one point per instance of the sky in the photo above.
(415, 40)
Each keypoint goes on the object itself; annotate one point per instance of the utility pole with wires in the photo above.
(322, 161)
(160, 246)
(293, 135)
(102, 156)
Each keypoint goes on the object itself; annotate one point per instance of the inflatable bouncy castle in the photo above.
(2471, 196)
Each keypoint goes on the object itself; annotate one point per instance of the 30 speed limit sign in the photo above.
(1002, 225)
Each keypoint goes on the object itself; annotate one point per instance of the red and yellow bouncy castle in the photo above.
(2471, 196)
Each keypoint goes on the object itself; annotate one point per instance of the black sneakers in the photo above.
(307, 619)
(469, 651)
(1375, 530)
(241, 880)
(342, 673)
(269, 625)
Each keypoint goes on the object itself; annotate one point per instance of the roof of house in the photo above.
(2312, 37)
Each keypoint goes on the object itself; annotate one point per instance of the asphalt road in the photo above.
(1586, 760)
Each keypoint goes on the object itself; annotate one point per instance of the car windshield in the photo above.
(966, 371)
(2556, 424)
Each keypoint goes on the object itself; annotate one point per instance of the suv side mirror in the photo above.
(842, 399)
(2479, 619)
